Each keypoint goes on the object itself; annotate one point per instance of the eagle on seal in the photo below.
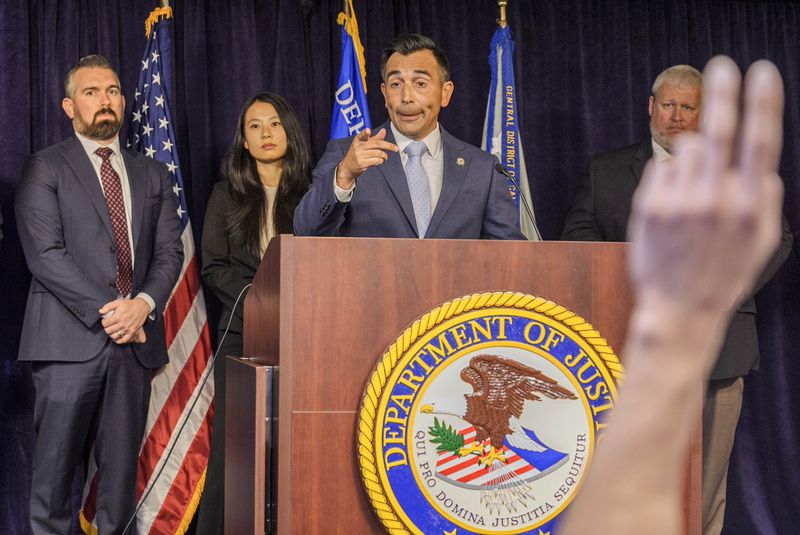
(500, 388)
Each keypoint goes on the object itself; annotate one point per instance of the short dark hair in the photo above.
(94, 61)
(412, 42)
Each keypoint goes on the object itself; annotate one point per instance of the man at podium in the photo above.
(411, 179)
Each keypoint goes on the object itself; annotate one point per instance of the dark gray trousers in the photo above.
(105, 398)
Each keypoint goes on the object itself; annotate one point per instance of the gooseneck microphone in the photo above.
(503, 171)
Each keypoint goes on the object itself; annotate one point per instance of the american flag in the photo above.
(174, 454)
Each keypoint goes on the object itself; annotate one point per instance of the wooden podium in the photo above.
(325, 309)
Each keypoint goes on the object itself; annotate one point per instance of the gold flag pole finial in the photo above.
(165, 11)
(346, 8)
(502, 5)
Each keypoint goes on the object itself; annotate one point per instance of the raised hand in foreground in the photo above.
(704, 225)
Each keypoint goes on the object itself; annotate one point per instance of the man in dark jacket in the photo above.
(601, 211)
(100, 233)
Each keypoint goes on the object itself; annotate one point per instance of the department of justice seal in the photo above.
(483, 415)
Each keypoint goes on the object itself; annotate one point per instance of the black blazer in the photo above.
(600, 212)
(227, 266)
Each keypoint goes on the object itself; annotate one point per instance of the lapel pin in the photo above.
(460, 161)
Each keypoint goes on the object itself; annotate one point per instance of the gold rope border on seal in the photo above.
(468, 303)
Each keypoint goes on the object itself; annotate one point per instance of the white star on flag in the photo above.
(137, 116)
(160, 101)
(167, 145)
(171, 166)
(146, 129)
(163, 123)
(155, 56)
(149, 151)
(144, 65)
(156, 78)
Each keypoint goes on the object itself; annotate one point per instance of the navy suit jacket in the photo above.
(474, 202)
(68, 241)
(601, 211)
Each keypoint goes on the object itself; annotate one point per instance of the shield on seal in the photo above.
(521, 464)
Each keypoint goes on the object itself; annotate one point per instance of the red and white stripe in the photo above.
(465, 471)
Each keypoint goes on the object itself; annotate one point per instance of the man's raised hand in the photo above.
(365, 151)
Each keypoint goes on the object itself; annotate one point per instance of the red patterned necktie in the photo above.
(116, 209)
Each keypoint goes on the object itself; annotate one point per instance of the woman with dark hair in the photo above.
(268, 170)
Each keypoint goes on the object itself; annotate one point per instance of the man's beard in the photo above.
(103, 129)
(662, 139)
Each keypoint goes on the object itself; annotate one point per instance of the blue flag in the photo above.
(501, 129)
(350, 111)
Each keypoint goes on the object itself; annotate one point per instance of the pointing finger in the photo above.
(382, 145)
(363, 135)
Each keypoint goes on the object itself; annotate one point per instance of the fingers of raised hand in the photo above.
(762, 130)
(647, 220)
(694, 216)
(721, 83)
(760, 189)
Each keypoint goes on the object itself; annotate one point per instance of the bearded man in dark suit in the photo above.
(101, 236)
(601, 211)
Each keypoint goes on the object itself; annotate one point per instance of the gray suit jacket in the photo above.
(601, 211)
(68, 241)
(474, 202)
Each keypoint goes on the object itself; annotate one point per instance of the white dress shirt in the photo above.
(90, 146)
(660, 154)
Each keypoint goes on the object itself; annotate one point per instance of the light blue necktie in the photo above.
(418, 185)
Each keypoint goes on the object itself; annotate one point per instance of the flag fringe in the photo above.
(155, 16)
(351, 27)
(191, 507)
(87, 527)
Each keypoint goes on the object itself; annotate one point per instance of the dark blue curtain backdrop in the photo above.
(583, 72)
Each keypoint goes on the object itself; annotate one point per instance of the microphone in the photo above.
(503, 171)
